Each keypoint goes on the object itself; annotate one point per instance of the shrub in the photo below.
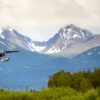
(91, 94)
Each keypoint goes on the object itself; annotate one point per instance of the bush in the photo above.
(91, 94)
(60, 94)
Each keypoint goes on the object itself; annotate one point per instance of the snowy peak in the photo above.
(8, 33)
(11, 35)
(70, 40)
(15, 38)
(73, 32)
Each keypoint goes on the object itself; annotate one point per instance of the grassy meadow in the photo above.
(51, 94)
(82, 85)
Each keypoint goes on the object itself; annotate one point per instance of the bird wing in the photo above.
(10, 51)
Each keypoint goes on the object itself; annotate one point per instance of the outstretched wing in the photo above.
(10, 51)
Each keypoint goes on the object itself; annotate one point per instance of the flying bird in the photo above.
(3, 53)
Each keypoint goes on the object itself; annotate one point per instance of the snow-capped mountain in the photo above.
(71, 32)
(71, 40)
(11, 37)
(68, 41)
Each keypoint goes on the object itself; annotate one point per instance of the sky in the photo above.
(41, 19)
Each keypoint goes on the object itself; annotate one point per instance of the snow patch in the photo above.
(2, 36)
(10, 29)
(69, 37)
(35, 48)
(53, 50)
(76, 36)
(39, 48)
(69, 30)
(90, 53)
(67, 34)
(0, 31)
(64, 34)
(2, 42)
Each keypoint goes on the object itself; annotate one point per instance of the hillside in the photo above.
(33, 69)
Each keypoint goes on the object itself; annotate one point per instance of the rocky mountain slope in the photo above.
(12, 38)
(69, 41)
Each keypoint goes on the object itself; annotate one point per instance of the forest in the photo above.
(81, 81)
(82, 85)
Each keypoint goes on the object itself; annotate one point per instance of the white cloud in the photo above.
(38, 17)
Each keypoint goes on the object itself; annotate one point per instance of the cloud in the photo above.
(35, 16)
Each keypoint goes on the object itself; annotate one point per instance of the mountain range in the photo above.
(36, 60)
(68, 42)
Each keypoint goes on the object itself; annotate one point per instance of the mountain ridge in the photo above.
(67, 42)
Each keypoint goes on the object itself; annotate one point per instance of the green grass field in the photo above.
(50, 94)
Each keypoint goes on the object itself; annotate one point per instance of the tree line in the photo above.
(81, 81)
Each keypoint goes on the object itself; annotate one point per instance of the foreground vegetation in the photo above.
(62, 86)
(51, 94)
